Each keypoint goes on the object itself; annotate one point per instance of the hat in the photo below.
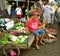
(34, 12)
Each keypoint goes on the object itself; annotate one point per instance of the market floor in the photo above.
(52, 49)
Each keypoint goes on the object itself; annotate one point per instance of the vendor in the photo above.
(33, 25)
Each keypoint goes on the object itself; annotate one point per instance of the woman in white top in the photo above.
(47, 13)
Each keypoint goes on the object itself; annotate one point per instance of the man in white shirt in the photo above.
(19, 12)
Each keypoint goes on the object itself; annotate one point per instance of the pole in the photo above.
(28, 4)
(17, 3)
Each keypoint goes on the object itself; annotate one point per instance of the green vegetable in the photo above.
(18, 26)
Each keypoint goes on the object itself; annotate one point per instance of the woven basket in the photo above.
(7, 47)
(49, 38)
(53, 33)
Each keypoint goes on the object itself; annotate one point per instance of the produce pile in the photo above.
(8, 38)
(16, 35)
(19, 27)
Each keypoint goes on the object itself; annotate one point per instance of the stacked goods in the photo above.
(4, 40)
(19, 28)
(8, 38)
(21, 40)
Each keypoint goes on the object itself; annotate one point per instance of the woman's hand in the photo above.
(42, 26)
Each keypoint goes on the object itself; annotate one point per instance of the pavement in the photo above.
(52, 49)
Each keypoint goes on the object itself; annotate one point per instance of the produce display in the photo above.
(21, 40)
(18, 35)
(19, 28)
(8, 38)
(3, 41)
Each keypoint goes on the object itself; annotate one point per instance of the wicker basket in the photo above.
(49, 39)
(53, 33)
(8, 47)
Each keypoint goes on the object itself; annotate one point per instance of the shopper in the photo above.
(19, 12)
(56, 15)
(47, 14)
(23, 9)
(13, 10)
(52, 12)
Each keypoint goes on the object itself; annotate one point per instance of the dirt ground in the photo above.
(52, 49)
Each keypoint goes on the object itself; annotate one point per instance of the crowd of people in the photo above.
(49, 11)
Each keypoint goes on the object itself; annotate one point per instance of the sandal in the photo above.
(37, 47)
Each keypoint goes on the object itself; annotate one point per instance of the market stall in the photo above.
(18, 37)
(15, 37)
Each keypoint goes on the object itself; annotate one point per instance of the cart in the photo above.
(8, 47)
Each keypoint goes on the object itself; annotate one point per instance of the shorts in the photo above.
(19, 16)
(39, 32)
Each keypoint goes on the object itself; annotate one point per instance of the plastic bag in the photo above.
(9, 25)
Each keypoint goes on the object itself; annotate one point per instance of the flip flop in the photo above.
(37, 47)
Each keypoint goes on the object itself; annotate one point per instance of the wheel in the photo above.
(8, 47)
